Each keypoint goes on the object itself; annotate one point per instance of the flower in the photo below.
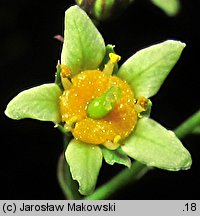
(99, 108)
(105, 107)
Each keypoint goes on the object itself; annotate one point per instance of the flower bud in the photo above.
(101, 10)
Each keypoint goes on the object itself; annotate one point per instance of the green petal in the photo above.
(147, 69)
(83, 46)
(156, 146)
(85, 161)
(170, 7)
(116, 156)
(41, 103)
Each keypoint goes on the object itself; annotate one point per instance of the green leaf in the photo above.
(170, 7)
(40, 102)
(83, 46)
(156, 146)
(116, 156)
(85, 161)
(147, 69)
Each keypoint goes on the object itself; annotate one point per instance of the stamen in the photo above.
(66, 83)
(111, 145)
(65, 73)
(117, 139)
(114, 58)
(69, 125)
(141, 105)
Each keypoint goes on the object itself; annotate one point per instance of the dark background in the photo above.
(28, 57)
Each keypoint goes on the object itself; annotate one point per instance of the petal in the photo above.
(85, 161)
(156, 146)
(170, 7)
(83, 46)
(40, 102)
(146, 70)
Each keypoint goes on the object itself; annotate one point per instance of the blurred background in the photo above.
(28, 56)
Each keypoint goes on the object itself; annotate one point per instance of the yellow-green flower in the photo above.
(104, 107)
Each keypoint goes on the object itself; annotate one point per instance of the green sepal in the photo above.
(109, 49)
(170, 7)
(116, 156)
(58, 80)
(156, 146)
(147, 69)
(85, 161)
(83, 46)
(40, 102)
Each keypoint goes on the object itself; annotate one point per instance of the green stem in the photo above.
(137, 169)
(125, 177)
(68, 186)
(61, 178)
(188, 125)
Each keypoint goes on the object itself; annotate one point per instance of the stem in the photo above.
(188, 125)
(137, 169)
(61, 181)
(68, 186)
(125, 177)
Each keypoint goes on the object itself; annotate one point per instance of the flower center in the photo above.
(107, 129)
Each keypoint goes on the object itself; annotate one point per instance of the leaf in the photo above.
(40, 102)
(147, 69)
(83, 46)
(116, 156)
(170, 7)
(156, 146)
(85, 161)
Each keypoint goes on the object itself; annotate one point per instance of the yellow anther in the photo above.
(111, 145)
(64, 74)
(117, 139)
(114, 58)
(141, 105)
(69, 125)
(139, 115)
(66, 83)
(65, 71)
(143, 102)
